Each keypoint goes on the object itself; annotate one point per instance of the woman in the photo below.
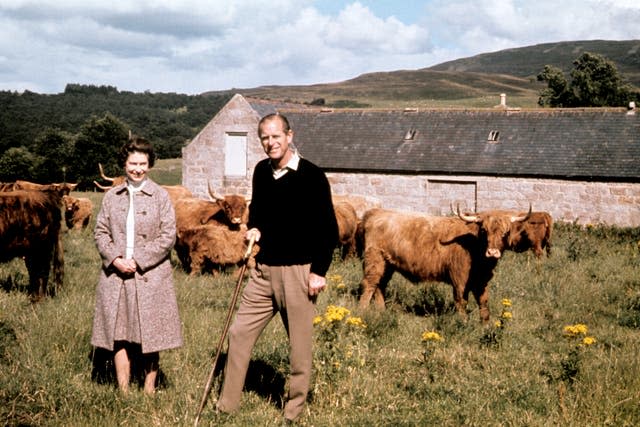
(136, 308)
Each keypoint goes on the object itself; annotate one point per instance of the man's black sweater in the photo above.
(295, 216)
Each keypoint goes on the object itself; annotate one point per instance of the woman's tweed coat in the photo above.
(155, 233)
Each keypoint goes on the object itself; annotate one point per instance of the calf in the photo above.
(78, 212)
(211, 248)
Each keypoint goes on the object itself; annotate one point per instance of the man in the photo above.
(293, 218)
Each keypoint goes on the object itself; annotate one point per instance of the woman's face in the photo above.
(136, 167)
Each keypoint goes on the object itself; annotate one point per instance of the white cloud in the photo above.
(197, 45)
(498, 24)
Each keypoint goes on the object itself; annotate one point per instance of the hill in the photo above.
(469, 82)
(529, 61)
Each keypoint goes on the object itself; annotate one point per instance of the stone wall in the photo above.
(569, 201)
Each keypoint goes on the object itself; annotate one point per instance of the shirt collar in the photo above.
(135, 188)
(292, 164)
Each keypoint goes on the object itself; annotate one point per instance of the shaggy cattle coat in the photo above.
(160, 327)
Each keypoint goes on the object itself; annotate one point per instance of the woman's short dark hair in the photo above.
(136, 144)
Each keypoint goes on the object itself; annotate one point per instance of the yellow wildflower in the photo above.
(497, 324)
(335, 278)
(588, 340)
(506, 302)
(355, 321)
(506, 315)
(577, 329)
(335, 313)
(431, 336)
(317, 320)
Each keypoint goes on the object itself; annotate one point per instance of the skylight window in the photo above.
(493, 136)
(410, 134)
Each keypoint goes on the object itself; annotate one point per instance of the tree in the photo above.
(595, 82)
(558, 92)
(54, 147)
(99, 141)
(17, 163)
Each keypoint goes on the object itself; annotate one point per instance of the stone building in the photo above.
(580, 165)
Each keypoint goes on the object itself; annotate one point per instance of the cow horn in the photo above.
(466, 218)
(524, 217)
(102, 187)
(212, 193)
(102, 173)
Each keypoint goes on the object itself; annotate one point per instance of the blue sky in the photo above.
(406, 11)
(193, 46)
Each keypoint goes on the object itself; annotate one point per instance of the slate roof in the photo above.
(264, 107)
(581, 144)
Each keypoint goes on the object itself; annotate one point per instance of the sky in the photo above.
(194, 46)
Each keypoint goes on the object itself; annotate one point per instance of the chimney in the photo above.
(503, 101)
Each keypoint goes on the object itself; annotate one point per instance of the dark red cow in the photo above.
(63, 189)
(462, 251)
(534, 234)
(229, 210)
(347, 226)
(30, 223)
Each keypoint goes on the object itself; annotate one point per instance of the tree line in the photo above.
(62, 137)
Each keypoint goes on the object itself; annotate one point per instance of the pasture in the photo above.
(566, 351)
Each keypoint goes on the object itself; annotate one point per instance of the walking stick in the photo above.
(234, 299)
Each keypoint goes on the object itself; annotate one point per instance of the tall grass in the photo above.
(526, 373)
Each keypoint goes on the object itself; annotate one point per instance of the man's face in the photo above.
(136, 167)
(275, 141)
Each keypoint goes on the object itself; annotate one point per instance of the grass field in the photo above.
(566, 351)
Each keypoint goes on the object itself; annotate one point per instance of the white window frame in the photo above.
(235, 154)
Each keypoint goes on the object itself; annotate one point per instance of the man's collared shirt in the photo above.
(292, 164)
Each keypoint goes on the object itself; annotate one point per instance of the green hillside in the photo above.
(529, 61)
(469, 82)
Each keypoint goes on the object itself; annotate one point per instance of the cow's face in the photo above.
(70, 204)
(233, 207)
(496, 228)
(64, 188)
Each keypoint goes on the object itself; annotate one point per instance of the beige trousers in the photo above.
(272, 289)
